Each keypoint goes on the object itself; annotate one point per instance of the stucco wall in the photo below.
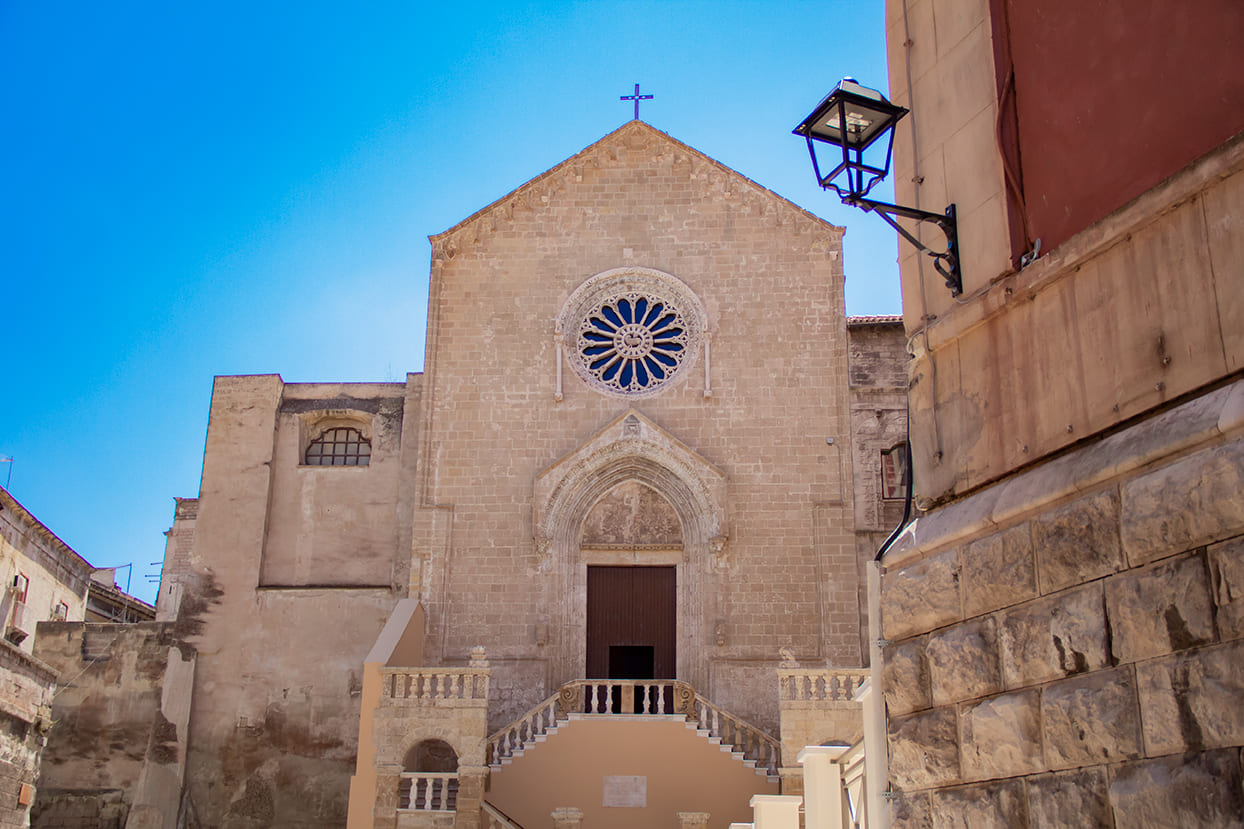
(682, 771)
(55, 573)
(280, 673)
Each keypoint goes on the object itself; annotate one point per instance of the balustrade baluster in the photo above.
(660, 699)
(455, 686)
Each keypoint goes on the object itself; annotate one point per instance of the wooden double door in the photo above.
(631, 621)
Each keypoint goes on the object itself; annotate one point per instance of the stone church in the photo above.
(604, 554)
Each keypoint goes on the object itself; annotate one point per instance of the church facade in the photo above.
(646, 447)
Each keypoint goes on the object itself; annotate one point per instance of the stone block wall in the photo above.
(498, 411)
(1066, 649)
(26, 687)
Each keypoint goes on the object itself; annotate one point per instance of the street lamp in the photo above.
(856, 118)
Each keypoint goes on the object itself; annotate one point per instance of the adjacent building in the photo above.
(1062, 627)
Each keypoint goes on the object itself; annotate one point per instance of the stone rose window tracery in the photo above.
(633, 342)
(630, 331)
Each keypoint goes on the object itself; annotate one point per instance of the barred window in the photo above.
(341, 446)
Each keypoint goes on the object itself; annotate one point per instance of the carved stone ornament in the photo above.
(788, 658)
(632, 331)
(478, 658)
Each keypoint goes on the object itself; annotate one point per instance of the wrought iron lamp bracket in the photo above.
(946, 262)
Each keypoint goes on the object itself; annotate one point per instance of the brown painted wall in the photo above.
(684, 771)
(1112, 98)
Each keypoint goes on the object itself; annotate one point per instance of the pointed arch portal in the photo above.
(650, 513)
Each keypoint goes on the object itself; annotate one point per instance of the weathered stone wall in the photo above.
(878, 387)
(25, 716)
(333, 525)
(1066, 648)
(278, 682)
(178, 544)
(770, 279)
(117, 748)
(878, 372)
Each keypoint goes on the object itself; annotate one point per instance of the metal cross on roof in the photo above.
(636, 98)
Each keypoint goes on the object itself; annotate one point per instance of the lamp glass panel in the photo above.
(864, 123)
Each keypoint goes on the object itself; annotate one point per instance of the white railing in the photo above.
(819, 684)
(503, 744)
(434, 685)
(854, 788)
(628, 696)
(650, 697)
(428, 791)
(741, 736)
(493, 818)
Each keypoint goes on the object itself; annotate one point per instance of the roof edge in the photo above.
(629, 125)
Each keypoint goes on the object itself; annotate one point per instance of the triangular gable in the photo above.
(537, 191)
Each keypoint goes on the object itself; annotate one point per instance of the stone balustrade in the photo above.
(819, 684)
(503, 744)
(428, 791)
(741, 736)
(627, 696)
(450, 687)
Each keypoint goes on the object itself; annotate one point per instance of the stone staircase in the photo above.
(629, 697)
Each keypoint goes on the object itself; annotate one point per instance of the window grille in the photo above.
(340, 446)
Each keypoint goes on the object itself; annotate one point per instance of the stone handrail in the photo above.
(435, 685)
(741, 736)
(428, 791)
(525, 729)
(819, 684)
(493, 818)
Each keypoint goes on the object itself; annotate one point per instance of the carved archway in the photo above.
(630, 449)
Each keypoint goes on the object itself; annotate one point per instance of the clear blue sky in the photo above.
(193, 189)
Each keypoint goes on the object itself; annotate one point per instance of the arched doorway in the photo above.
(630, 496)
(631, 543)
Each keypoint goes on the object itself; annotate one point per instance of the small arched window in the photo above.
(339, 446)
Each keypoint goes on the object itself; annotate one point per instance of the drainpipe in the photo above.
(876, 746)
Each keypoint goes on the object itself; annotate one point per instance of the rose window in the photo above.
(632, 342)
